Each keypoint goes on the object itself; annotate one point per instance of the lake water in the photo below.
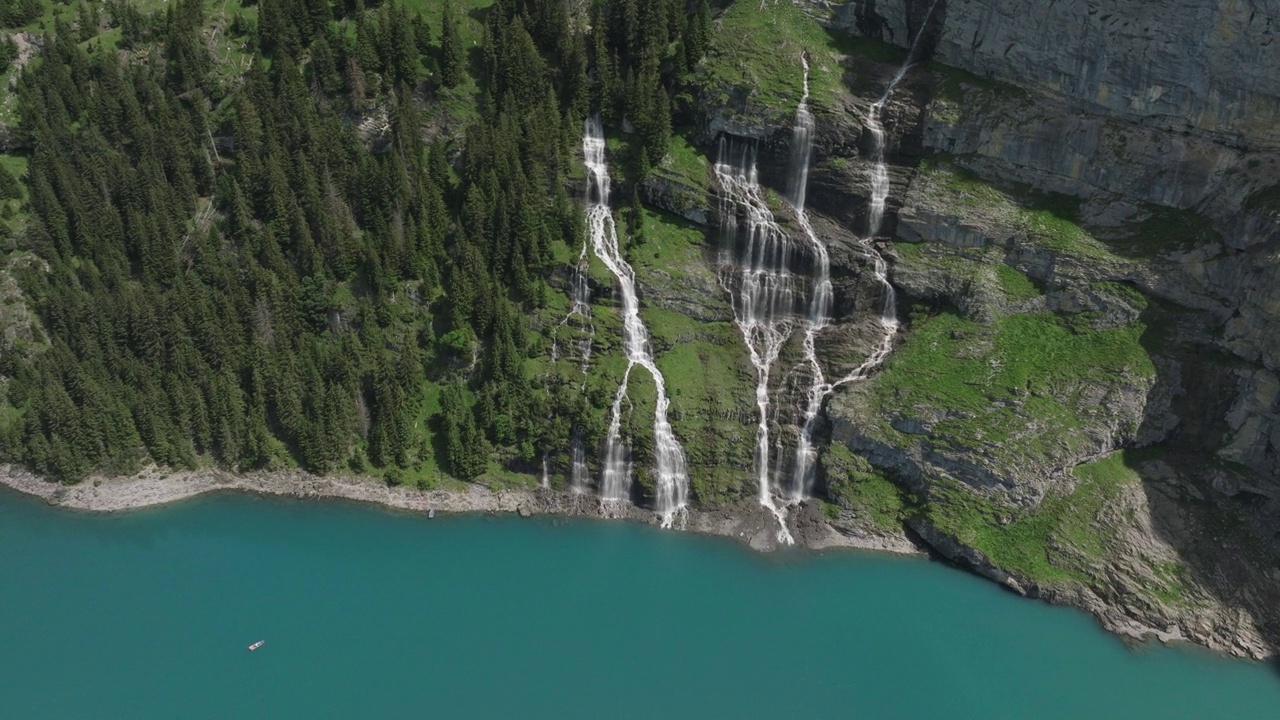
(372, 613)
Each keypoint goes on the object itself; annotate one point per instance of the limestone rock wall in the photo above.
(1207, 67)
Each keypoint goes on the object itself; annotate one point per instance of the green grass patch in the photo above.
(908, 251)
(956, 363)
(459, 102)
(1051, 220)
(8, 413)
(1016, 285)
(1124, 292)
(1057, 541)
(853, 484)
(11, 209)
(1054, 219)
(498, 477)
(954, 81)
(1266, 200)
(706, 378)
(871, 48)
(667, 244)
(566, 254)
(685, 162)
(758, 49)
(1014, 392)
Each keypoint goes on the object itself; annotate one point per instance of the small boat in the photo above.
(431, 513)
(257, 645)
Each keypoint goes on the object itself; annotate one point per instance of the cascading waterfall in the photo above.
(875, 212)
(819, 303)
(758, 269)
(578, 475)
(802, 483)
(879, 171)
(672, 482)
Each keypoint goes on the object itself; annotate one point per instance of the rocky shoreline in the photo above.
(745, 522)
(153, 487)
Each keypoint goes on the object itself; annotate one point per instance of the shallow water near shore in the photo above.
(373, 613)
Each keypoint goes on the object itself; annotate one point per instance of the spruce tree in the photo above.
(451, 52)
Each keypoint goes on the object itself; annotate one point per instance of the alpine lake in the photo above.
(371, 613)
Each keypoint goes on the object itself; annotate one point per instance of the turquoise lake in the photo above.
(368, 613)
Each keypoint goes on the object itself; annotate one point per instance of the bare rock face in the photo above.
(1202, 67)
(1107, 169)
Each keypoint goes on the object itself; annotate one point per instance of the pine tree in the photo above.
(697, 37)
(10, 189)
(451, 52)
(8, 52)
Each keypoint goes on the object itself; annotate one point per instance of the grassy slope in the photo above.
(469, 15)
(1008, 389)
(759, 50)
(1049, 219)
(704, 365)
(852, 484)
(1057, 541)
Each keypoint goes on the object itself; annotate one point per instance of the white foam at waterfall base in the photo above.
(672, 485)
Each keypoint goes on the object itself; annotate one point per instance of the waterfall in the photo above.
(806, 451)
(545, 482)
(577, 462)
(880, 172)
(579, 307)
(759, 270)
(819, 305)
(672, 483)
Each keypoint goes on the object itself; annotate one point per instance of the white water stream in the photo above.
(578, 473)
(819, 305)
(672, 485)
(769, 299)
(756, 264)
(579, 307)
(806, 453)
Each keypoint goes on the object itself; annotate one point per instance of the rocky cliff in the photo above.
(1083, 399)
(1084, 212)
(1206, 68)
(1090, 242)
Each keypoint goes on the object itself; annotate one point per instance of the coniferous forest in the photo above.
(276, 256)
(883, 274)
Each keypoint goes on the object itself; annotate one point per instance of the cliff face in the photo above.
(1204, 67)
(1129, 107)
(1086, 215)
(1084, 400)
